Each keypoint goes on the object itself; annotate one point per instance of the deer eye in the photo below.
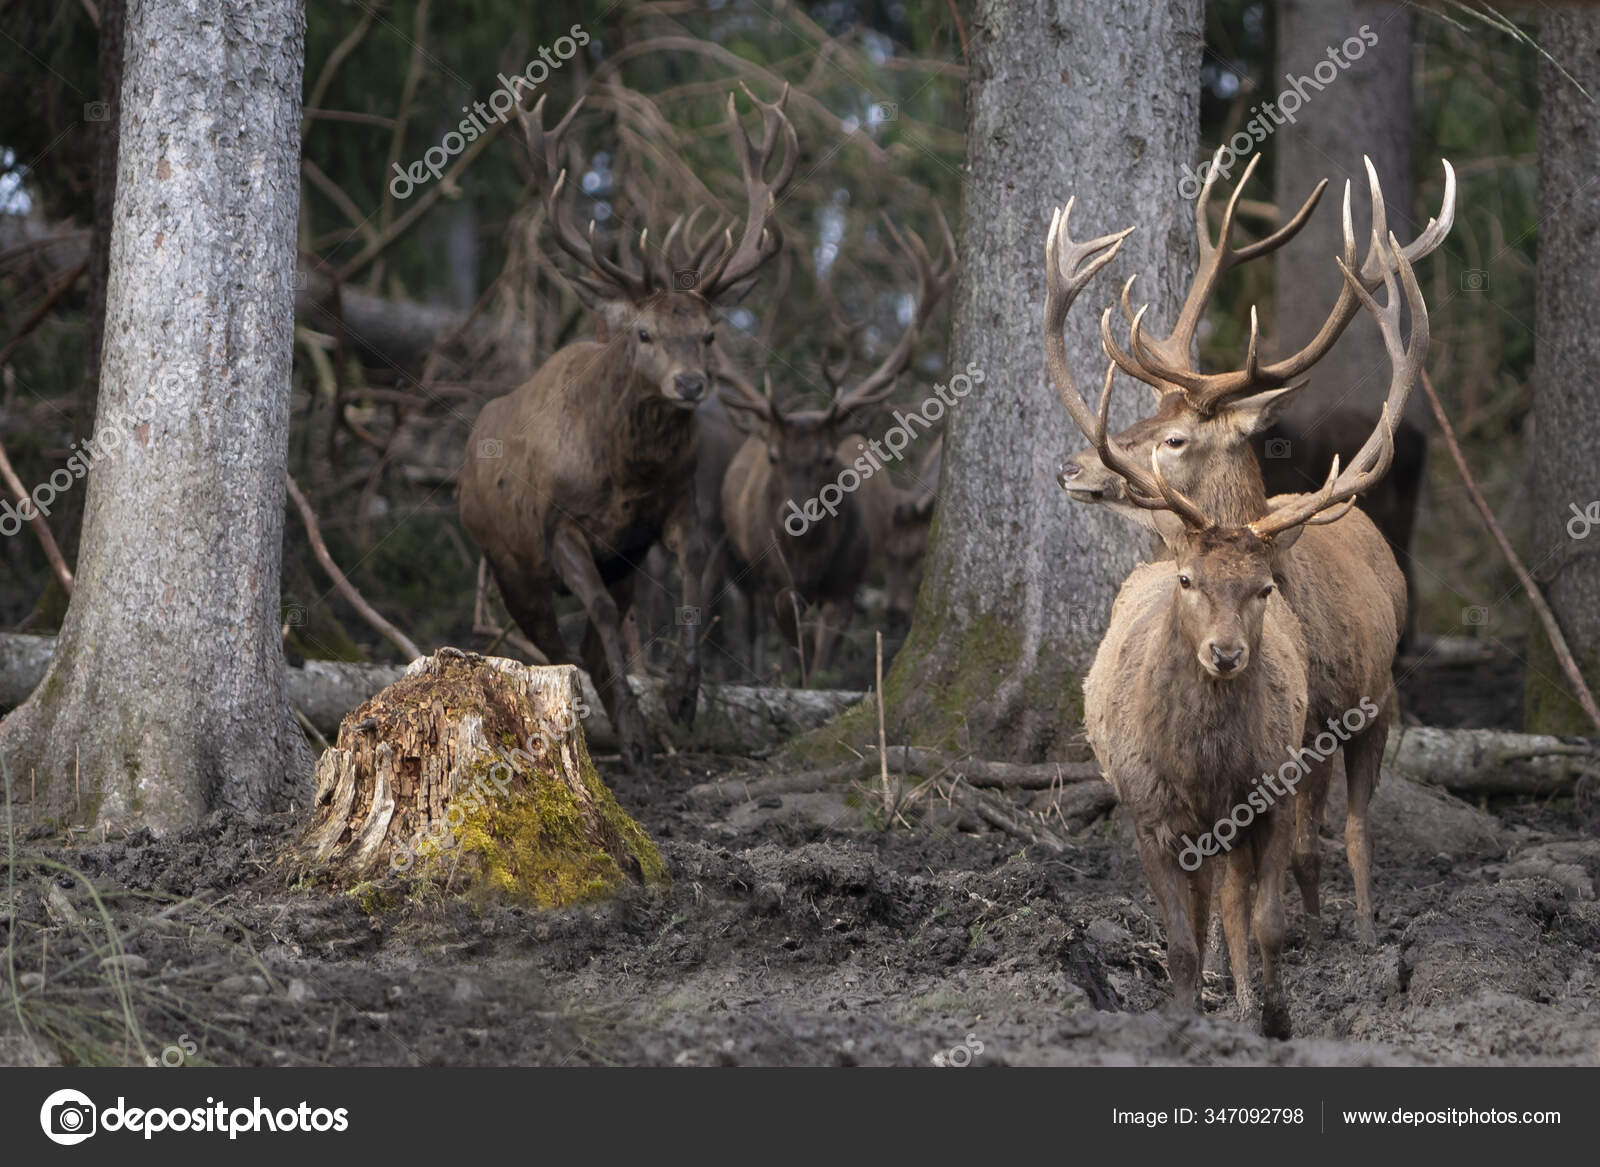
(1177, 443)
(644, 337)
(710, 338)
(1266, 591)
(1183, 581)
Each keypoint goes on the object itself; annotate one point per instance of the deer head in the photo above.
(1224, 572)
(662, 307)
(803, 445)
(1203, 421)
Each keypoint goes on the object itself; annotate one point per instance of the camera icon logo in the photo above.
(1279, 448)
(491, 448)
(685, 279)
(68, 1117)
(885, 111)
(1474, 279)
(688, 617)
(294, 615)
(97, 111)
(1477, 615)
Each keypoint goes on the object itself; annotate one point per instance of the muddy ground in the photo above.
(794, 933)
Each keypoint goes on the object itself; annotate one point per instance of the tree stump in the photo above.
(472, 772)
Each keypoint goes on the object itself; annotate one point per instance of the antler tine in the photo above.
(1372, 461)
(760, 404)
(1169, 357)
(620, 274)
(933, 281)
(1149, 490)
(1209, 392)
(1348, 304)
(762, 237)
(544, 148)
(1069, 266)
(1302, 510)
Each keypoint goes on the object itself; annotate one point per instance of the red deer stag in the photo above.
(786, 556)
(1341, 579)
(1198, 694)
(572, 477)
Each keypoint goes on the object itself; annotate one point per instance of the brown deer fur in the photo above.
(570, 479)
(1183, 746)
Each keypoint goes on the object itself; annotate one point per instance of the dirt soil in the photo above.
(794, 934)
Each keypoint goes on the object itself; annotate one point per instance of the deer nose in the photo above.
(690, 386)
(1067, 473)
(1225, 661)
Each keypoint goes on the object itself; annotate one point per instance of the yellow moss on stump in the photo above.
(472, 775)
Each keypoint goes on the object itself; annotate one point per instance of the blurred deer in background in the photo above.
(785, 557)
(1341, 580)
(572, 477)
(1199, 692)
(898, 521)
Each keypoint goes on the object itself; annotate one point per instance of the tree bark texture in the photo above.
(1088, 98)
(1562, 454)
(165, 697)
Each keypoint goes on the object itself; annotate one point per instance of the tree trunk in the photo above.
(165, 697)
(473, 772)
(1354, 102)
(112, 13)
(1068, 97)
(1364, 108)
(1566, 423)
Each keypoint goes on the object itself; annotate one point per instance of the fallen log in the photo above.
(730, 718)
(1491, 761)
(924, 763)
(471, 773)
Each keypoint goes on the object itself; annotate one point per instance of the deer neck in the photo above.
(648, 430)
(1233, 492)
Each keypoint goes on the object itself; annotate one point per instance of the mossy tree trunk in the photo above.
(472, 773)
(1068, 97)
(1562, 458)
(165, 698)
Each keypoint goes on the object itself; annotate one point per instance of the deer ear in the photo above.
(1284, 540)
(1254, 414)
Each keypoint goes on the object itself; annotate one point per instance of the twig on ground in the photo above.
(347, 589)
(41, 529)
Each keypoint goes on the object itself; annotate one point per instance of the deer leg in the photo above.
(683, 681)
(1169, 885)
(533, 609)
(1271, 843)
(832, 622)
(1363, 757)
(1238, 896)
(1310, 796)
(1200, 903)
(605, 654)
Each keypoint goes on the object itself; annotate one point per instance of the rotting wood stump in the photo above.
(472, 773)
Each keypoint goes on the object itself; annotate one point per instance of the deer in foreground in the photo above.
(1341, 579)
(1199, 691)
(572, 477)
(787, 557)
